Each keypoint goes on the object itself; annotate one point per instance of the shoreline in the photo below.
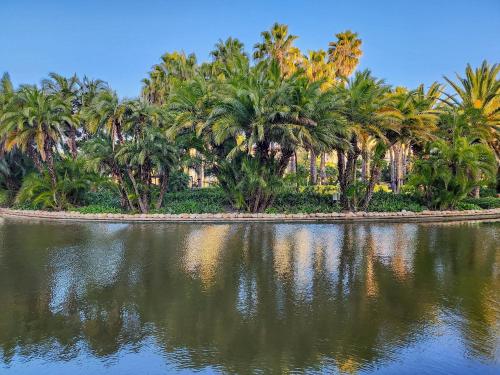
(352, 217)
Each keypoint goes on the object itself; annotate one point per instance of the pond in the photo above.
(101, 298)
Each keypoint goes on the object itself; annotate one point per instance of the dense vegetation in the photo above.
(255, 126)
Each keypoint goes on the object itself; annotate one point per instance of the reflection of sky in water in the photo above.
(173, 298)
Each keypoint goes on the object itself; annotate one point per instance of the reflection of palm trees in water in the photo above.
(233, 295)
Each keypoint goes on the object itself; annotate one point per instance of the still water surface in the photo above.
(249, 298)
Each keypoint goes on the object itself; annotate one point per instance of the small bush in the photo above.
(485, 203)
(208, 200)
(98, 209)
(462, 206)
(4, 198)
(388, 202)
(303, 202)
(178, 181)
(105, 196)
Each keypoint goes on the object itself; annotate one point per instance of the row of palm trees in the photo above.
(247, 120)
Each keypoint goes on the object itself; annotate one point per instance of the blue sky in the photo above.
(405, 42)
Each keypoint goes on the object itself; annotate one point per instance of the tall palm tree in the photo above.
(478, 96)
(106, 113)
(225, 51)
(257, 125)
(174, 67)
(276, 44)
(416, 113)
(317, 68)
(344, 53)
(364, 102)
(33, 122)
(68, 90)
(149, 154)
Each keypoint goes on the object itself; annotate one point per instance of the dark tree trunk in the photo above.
(163, 189)
(72, 143)
(142, 206)
(392, 166)
(313, 174)
(365, 160)
(476, 192)
(200, 172)
(374, 179)
(349, 173)
(123, 189)
(322, 169)
(293, 164)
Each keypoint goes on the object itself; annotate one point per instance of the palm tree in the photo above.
(344, 53)
(258, 124)
(276, 44)
(317, 68)
(106, 113)
(67, 89)
(190, 106)
(226, 50)
(416, 112)
(478, 95)
(99, 154)
(364, 102)
(452, 169)
(175, 67)
(32, 121)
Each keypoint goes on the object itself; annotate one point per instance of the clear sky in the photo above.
(406, 42)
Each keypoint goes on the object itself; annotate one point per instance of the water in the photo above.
(249, 298)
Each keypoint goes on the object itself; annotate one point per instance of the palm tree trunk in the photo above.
(136, 190)
(163, 189)
(200, 172)
(313, 174)
(322, 169)
(399, 167)
(52, 173)
(293, 163)
(476, 192)
(374, 179)
(349, 173)
(123, 190)
(35, 158)
(72, 143)
(365, 161)
(392, 169)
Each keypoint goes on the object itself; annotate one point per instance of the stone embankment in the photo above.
(403, 216)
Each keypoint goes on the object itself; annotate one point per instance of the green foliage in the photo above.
(462, 206)
(105, 196)
(304, 202)
(73, 183)
(486, 202)
(451, 170)
(209, 200)
(4, 198)
(178, 181)
(389, 202)
(97, 209)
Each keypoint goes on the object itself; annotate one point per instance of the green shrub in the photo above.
(485, 203)
(462, 206)
(106, 196)
(303, 202)
(488, 192)
(4, 198)
(178, 181)
(98, 209)
(208, 200)
(389, 202)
